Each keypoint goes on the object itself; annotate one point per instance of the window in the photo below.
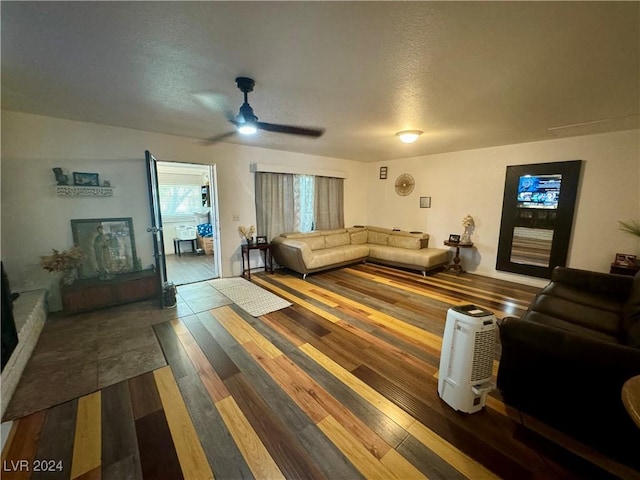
(180, 196)
(297, 203)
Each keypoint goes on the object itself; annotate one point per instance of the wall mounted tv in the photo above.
(539, 191)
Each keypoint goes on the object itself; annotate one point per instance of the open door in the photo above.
(156, 225)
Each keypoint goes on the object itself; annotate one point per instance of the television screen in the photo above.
(539, 191)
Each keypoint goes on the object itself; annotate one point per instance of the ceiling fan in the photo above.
(247, 123)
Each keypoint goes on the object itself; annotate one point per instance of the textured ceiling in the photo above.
(469, 74)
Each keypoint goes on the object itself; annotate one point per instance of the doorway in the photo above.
(188, 205)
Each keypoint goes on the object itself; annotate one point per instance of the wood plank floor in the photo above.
(190, 268)
(341, 385)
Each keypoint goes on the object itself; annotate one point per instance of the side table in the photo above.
(456, 260)
(630, 269)
(176, 245)
(265, 248)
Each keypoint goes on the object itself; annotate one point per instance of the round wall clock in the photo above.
(404, 184)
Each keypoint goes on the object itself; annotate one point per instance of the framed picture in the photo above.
(425, 202)
(383, 173)
(108, 246)
(261, 239)
(85, 179)
(625, 259)
(453, 238)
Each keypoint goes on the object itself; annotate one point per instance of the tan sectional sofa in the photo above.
(324, 249)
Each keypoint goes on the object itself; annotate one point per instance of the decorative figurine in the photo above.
(61, 178)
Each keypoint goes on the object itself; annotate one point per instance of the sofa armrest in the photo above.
(618, 286)
(291, 254)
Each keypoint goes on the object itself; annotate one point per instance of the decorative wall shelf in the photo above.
(77, 191)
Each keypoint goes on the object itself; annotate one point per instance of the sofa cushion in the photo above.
(298, 235)
(585, 311)
(314, 242)
(424, 258)
(553, 321)
(633, 335)
(631, 309)
(353, 252)
(377, 238)
(359, 237)
(325, 257)
(400, 241)
(337, 240)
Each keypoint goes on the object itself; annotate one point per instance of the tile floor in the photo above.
(80, 354)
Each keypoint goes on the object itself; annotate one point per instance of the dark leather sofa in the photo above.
(565, 360)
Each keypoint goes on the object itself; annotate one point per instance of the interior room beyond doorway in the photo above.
(187, 205)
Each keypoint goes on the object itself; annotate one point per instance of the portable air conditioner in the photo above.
(466, 360)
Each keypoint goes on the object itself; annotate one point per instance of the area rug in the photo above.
(251, 298)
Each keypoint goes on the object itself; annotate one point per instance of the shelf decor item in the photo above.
(404, 184)
(66, 262)
(468, 223)
(85, 179)
(247, 233)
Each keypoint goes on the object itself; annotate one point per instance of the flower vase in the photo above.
(250, 241)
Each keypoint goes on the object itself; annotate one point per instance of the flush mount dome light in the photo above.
(247, 129)
(408, 136)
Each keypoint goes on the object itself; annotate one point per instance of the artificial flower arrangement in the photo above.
(247, 232)
(62, 261)
(468, 222)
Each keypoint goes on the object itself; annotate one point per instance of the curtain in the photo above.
(329, 203)
(274, 204)
(297, 203)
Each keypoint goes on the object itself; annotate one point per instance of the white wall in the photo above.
(35, 220)
(472, 182)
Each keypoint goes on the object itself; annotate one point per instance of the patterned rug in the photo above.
(251, 298)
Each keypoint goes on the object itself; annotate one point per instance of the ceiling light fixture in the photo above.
(247, 129)
(408, 136)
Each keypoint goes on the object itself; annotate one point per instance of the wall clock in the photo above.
(404, 184)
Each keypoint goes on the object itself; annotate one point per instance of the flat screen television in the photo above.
(539, 191)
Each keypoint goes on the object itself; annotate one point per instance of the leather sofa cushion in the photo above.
(631, 309)
(411, 243)
(425, 257)
(337, 240)
(325, 257)
(314, 242)
(353, 252)
(633, 335)
(377, 238)
(581, 309)
(359, 237)
(299, 235)
(552, 320)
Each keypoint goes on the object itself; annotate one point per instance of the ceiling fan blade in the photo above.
(307, 132)
(217, 138)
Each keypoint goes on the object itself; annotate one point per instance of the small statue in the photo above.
(61, 178)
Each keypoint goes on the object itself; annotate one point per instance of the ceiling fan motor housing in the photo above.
(245, 84)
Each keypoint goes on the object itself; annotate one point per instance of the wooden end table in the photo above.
(176, 245)
(265, 248)
(456, 266)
